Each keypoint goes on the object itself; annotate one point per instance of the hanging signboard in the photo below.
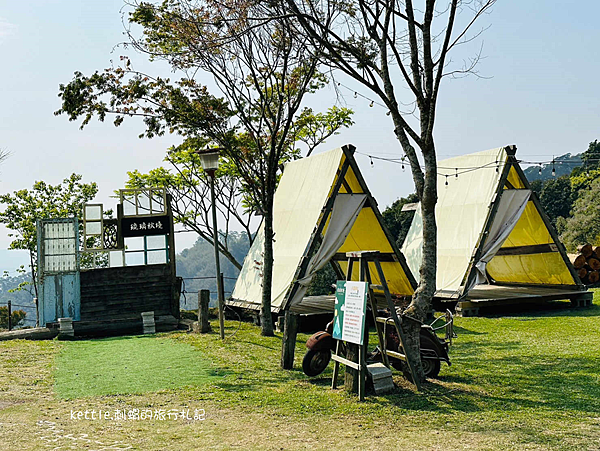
(350, 311)
(145, 226)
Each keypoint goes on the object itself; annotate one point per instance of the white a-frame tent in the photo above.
(494, 240)
(322, 209)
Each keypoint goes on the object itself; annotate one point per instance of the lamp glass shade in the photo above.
(209, 161)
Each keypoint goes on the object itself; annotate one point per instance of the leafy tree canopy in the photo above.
(397, 221)
(584, 224)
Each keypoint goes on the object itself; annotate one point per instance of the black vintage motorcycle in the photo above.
(433, 349)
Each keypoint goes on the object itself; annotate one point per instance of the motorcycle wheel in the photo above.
(315, 362)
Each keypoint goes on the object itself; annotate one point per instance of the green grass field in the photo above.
(127, 365)
(526, 381)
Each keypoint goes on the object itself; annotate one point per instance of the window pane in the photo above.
(157, 257)
(129, 204)
(93, 228)
(157, 202)
(143, 203)
(135, 243)
(134, 258)
(156, 242)
(115, 259)
(93, 212)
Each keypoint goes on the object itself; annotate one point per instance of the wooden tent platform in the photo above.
(310, 305)
(479, 297)
(496, 295)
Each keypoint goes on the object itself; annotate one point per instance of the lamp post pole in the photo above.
(221, 301)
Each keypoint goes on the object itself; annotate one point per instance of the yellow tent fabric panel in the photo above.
(352, 182)
(366, 235)
(548, 268)
(396, 280)
(529, 230)
(514, 179)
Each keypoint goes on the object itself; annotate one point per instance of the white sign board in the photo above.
(354, 312)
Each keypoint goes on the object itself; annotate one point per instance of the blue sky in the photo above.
(542, 58)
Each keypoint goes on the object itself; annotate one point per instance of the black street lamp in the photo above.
(209, 159)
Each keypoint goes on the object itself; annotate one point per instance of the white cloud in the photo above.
(6, 28)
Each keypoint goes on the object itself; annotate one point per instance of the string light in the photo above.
(553, 168)
(447, 180)
(372, 165)
(371, 104)
(456, 172)
(355, 94)
(388, 113)
(540, 171)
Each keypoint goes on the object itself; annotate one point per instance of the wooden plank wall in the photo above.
(123, 293)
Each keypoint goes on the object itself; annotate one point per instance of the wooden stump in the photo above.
(203, 301)
(288, 343)
(593, 277)
(594, 263)
(579, 262)
(351, 377)
(586, 250)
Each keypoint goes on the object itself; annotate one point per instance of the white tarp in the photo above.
(511, 207)
(345, 211)
(300, 197)
(460, 212)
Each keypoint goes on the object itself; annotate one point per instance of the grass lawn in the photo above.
(127, 365)
(526, 381)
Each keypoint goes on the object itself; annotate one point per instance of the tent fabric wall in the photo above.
(461, 213)
(302, 194)
(542, 268)
(462, 216)
(346, 209)
(300, 197)
(512, 204)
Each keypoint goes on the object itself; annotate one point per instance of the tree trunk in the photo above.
(421, 302)
(266, 321)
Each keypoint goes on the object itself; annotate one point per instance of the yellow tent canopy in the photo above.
(491, 229)
(322, 209)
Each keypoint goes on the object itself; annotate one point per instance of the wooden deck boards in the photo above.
(480, 296)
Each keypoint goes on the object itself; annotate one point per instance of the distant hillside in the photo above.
(563, 165)
(197, 267)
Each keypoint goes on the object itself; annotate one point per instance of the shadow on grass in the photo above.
(548, 309)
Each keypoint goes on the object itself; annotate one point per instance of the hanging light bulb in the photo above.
(497, 166)
(540, 171)
(355, 94)
(339, 83)
(553, 169)
(403, 166)
(371, 158)
(456, 175)
(446, 180)
(388, 113)
(371, 104)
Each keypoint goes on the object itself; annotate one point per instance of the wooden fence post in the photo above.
(9, 315)
(288, 343)
(203, 301)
